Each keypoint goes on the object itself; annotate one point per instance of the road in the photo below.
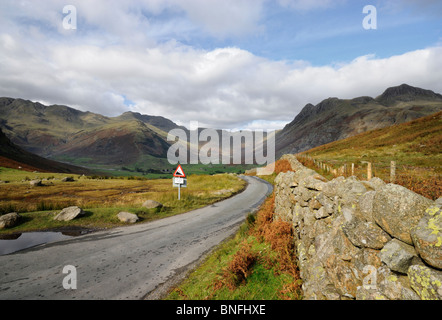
(132, 262)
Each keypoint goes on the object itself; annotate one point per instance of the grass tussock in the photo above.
(238, 268)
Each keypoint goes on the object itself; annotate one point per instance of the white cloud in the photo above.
(97, 69)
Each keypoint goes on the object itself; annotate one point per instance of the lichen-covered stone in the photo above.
(427, 236)
(426, 282)
(365, 234)
(397, 210)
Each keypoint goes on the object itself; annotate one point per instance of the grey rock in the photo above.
(397, 210)
(326, 202)
(366, 205)
(151, 204)
(127, 217)
(9, 220)
(376, 183)
(321, 213)
(35, 183)
(398, 255)
(365, 234)
(313, 182)
(70, 213)
(427, 236)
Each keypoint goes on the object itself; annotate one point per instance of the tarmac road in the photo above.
(133, 262)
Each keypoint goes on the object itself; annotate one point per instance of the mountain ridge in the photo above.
(334, 119)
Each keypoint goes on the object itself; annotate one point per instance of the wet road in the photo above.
(131, 262)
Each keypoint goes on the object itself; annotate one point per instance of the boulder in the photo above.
(127, 217)
(9, 220)
(151, 204)
(70, 213)
(35, 183)
(427, 236)
(397, 255)
(67, 179)
(397, 210)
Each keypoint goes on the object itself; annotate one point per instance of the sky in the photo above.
(228, 64)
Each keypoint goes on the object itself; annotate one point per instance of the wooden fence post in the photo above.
(392, 171)
(369, 174)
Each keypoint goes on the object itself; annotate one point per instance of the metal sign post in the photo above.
(179, 180)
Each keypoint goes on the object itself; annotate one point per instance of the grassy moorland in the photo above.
(103, 198)
(415, 146)
(258, 263)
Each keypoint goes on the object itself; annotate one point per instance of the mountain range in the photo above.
(88, 139)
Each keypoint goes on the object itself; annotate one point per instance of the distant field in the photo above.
(155, 168)
(103, 198)
(415, 147)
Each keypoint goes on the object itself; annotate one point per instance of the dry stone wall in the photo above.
(361, 240)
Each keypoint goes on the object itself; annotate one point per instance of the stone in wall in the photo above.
(397, 210)
(427, 236)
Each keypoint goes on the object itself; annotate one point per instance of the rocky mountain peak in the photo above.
(405, 92)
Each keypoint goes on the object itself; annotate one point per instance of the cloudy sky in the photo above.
(224, 63)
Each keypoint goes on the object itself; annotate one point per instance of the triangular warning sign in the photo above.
(179, 172)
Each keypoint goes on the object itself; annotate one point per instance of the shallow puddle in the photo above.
(19, 241)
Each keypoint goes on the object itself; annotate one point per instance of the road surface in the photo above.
(133, 262)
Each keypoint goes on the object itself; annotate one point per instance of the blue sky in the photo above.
(225, 63)
(334, 33)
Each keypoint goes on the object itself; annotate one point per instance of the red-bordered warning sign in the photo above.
(179, 172)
